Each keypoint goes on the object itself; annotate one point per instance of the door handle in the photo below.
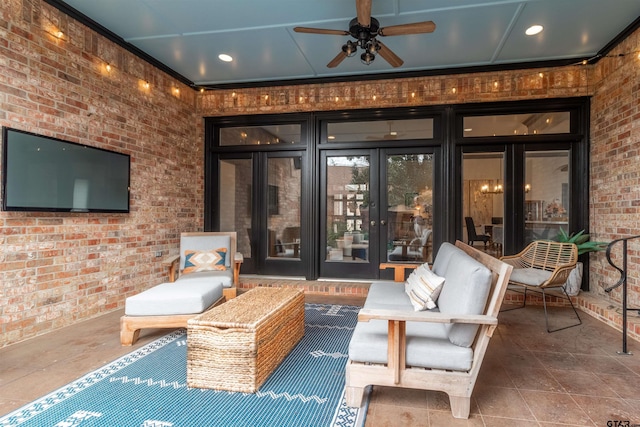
(383, 222)
(373, 223)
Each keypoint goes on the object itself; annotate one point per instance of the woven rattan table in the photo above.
(238, 344)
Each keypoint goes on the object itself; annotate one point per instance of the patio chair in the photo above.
(205, 273)
(208, 241)
(472, 235)
(416, 250)
(543, 265)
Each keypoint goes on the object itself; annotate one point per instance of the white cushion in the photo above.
(423, 287)
(187, 297)
(225, 277)
(388, 296)
(443, 257)
(427, 346)
(465, 292)
(530, 276)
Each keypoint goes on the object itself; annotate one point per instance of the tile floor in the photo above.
(572, 377)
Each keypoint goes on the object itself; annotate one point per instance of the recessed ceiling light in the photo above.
(533, 30)
(224, 57)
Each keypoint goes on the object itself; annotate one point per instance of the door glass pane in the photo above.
(410, 207)
(517, 124)
(483, 201)
(381, 130)
(261, 135)
(283, 207)
(347, 209)
(235, 200)
(547, 194)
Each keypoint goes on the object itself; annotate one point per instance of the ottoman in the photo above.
(237, 345)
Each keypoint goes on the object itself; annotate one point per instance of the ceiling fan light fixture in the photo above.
(350, 48)
(372, 47)
(367, 58)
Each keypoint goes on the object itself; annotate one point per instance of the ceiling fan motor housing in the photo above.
(363, 34)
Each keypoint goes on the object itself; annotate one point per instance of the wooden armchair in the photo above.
(434, 350)
(540, 266)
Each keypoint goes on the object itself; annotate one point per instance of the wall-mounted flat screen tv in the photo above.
(40, 173)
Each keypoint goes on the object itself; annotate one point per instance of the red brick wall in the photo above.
(615, 166)
(57, 269)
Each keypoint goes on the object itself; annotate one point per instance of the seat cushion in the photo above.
(388, 296)
(186, 297)
(427, 346)
(530, 276)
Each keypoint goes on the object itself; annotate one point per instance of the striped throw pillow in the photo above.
(423, 287)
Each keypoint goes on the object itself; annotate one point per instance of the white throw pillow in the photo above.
(423, 287)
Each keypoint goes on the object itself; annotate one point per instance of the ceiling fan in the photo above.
(365, 29)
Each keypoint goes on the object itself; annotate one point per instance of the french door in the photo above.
(376, 205)
(515, 193)
(261, 198)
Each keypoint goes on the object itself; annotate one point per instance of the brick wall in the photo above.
(57, 269)
(615, 166)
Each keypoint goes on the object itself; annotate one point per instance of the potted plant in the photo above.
(585, 245)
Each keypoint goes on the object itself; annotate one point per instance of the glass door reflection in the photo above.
(483, 200)
(409, 207)
(347, 209)
(284, 198)
(547, 194)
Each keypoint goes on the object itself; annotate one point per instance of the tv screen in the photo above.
(41, 173)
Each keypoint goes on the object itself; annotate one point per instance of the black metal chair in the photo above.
(472, 235)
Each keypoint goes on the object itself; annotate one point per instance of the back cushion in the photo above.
(204, 242)
(443, 257)
(465, 291)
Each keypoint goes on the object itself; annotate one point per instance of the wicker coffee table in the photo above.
(238, 344)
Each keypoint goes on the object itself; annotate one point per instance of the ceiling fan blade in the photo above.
(320, 31)
(363, 8)
(404, 29)
(337, 60)
(388, 55)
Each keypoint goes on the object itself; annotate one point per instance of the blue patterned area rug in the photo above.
(148, 387)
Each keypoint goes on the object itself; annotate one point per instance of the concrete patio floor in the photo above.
(573, 377)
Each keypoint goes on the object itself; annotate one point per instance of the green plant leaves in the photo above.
(581, 240)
